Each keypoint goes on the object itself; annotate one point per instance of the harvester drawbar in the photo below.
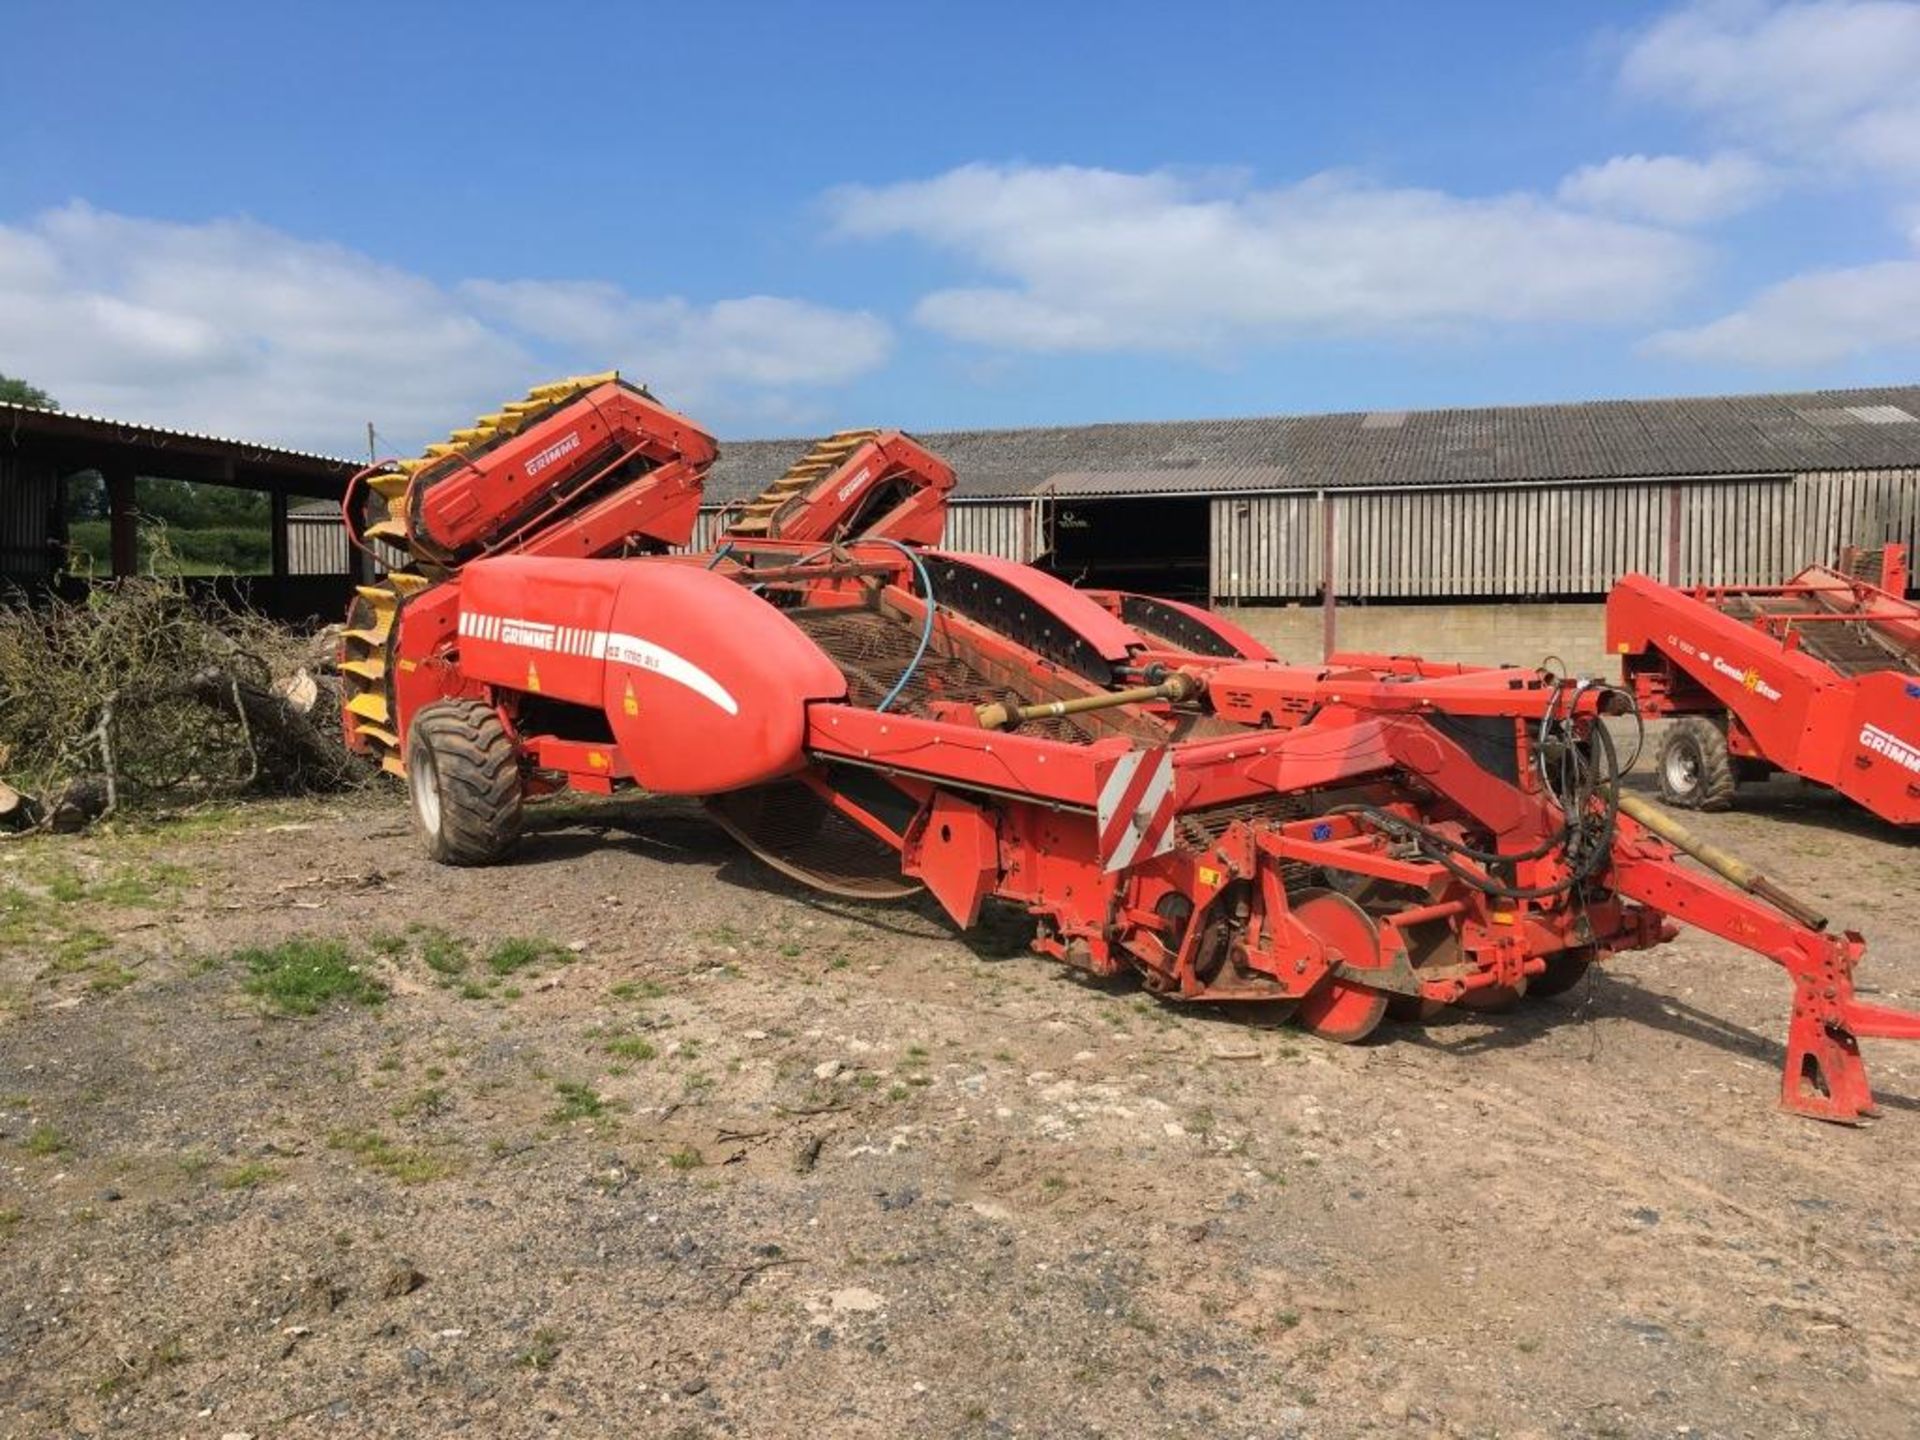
(872, 714)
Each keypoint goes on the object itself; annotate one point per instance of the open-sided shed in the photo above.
(43, 452)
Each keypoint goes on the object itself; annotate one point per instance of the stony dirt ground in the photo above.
(645, 1142)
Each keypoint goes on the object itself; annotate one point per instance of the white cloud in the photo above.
(1670, 189)
(235, 327)
(1813, 319)
(1827, 83)
(760, 340)
(1101, 260)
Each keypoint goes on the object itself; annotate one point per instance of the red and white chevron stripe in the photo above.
(1136, 808)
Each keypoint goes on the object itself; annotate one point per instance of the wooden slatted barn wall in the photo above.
(706, 527)
(1265, 547)
(29, 500)
(316, 543)
(983, 527)
(1510, 541)
(1553, 541)
(1761, 532)
(991, 527)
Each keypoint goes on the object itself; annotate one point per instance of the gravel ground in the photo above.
(642, 1141)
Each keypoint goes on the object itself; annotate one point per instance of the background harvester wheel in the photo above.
(463, 776)
(1694, 768)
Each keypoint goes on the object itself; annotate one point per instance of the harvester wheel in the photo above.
(1338, 1009)
(463, 777)
(1695, 770)
(1565, 969)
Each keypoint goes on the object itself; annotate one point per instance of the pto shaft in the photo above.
(1729, 867)
(1001, 716)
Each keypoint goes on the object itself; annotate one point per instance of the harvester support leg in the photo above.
(1825, 1077)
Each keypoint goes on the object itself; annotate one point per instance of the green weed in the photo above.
(408, 1165)
(302, 976)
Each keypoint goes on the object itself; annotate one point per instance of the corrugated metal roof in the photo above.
(1206, 479)
(1596, 440)
(11, 412)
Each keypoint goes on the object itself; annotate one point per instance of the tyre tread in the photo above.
(480, 788)
(1717, 784)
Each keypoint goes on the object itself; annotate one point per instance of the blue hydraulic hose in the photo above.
(926, 628)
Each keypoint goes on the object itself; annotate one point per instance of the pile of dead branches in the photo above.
(142, 697)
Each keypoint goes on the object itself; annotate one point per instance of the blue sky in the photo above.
(284, 221)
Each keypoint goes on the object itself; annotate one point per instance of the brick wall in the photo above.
(1482, 634)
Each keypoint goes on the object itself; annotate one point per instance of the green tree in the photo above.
(19, 392)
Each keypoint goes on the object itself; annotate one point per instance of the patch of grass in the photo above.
(630, 1047)
(577, 1102)
(442, 953)
(428, 1102)
(10, 1218)
(250, 1176)
(109, 978)
(66, 886)
(74, 951)
(636, 990)
(408, 1165)
(686, 1158)
(518, 952)
(45, 1140)
(302, 976)
(130, 887)
(543, 1348)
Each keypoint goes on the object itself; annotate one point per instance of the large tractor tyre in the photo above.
(464, 780)
(1695, 770)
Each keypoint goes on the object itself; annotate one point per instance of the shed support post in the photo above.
(277, 504)
(1329, 605)
(1674, 508)
(123, 524)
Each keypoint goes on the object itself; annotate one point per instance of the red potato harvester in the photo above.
(1819, 677)
(872, 715)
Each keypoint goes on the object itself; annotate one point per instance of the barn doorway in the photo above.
(1155, 544)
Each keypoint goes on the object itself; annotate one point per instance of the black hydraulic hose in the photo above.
(1585, 837)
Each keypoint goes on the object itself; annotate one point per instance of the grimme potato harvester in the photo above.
(1819, 677)
(871, 714)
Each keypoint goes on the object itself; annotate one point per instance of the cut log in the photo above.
(17, 811)
(78, 803)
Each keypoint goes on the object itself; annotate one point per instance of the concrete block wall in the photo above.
(1479, 634)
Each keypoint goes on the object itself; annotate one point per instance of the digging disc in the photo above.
(1340, 1010)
